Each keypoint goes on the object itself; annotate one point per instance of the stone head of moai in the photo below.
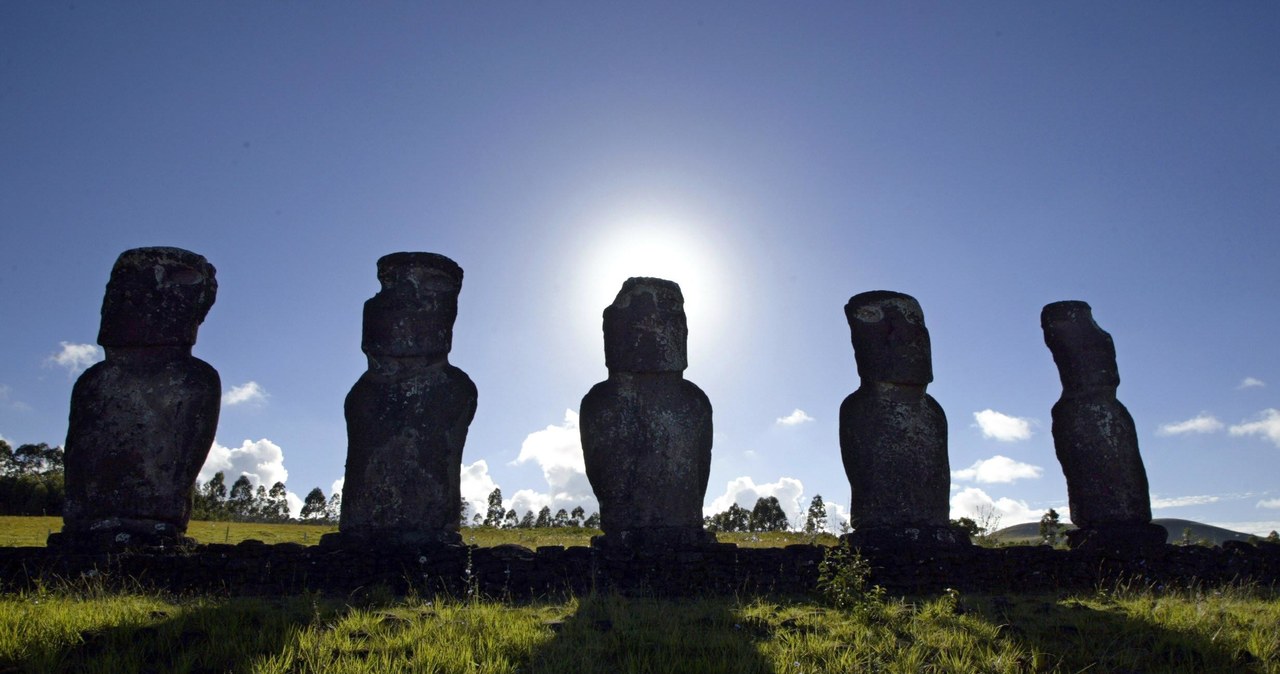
(412, 315)
(645, 329)
(1084, 353)
(890, 340)
(156, 297)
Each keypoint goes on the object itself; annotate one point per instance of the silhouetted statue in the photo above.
(646, 431)
(893, 435)
(1094, 436)
(408, 415)
(143, 420)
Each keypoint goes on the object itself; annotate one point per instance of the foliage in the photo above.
(767, 515)
(32, 480)
(1050, 527)
(844, 581)
(815, 521)
(243, 503)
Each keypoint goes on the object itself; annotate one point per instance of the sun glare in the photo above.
(666, 249)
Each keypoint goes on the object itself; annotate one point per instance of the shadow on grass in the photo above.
(613, 633)
(196, 636)
(1101, 636)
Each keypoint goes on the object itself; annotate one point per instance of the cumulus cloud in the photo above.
(974, 503)
(1201, 423)
(1268, 424)
(477, 484)
(794, 419)
(1269, 503)
(76, 357)
(745, 492)
(262, 461)
(249, 392)
(997, 469)
(1251, 382)
(1002, 427)
(557, 450)
(1180, 501)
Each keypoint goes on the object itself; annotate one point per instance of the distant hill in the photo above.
(1029, 533)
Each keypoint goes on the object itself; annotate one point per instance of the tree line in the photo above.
(497, 517)
(32, 480)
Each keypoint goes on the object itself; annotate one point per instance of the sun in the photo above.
(668, 248)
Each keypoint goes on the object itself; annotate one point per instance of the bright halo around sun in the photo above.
(660, 248)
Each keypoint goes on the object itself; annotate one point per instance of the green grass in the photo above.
(83, 629)
(33, 531)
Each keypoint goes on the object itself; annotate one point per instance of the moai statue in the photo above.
(407, 416)
(143, 420)
(1095, 438)
(893, 435)
(646, 431)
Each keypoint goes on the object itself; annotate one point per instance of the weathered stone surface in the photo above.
(893, 435)
(143, 420)
(646, 431)
(408, 415)
(1094, 435)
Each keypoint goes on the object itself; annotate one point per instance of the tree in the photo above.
(561, 519)
(1273, 537)
(815, 522)
(967, 525)
(544, 518)
(240, 502)
(592, 522)
(987, 517)
(333, 509)
(1050, 527)
(313, 506)
(736, 518)
(528, 521)
(511, 520)
(768, 515)
(494, 515)
(576, 516)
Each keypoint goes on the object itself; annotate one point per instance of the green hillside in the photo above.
(1029, 533)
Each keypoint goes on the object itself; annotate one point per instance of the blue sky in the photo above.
(772, 159)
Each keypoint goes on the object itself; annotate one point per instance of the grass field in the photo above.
(82, 629)
(34, 531)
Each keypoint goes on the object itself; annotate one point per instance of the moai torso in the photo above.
(646, 431)
(893, 435)
(1093, 434)
(143, 420)
(408, 415)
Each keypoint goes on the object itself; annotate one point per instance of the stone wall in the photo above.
(509, 571)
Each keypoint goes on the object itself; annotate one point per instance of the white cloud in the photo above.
(249, 392)
(1002, 427)
(974, 503)
(1180, 501)
(1251, 382)
(557, 449)
(262, 461)
(997, 469)
(1268, 424)
(745, 492)
(1269, 503)
(1201, 423)
(76, 357)
(477, 484)
(794, 419)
